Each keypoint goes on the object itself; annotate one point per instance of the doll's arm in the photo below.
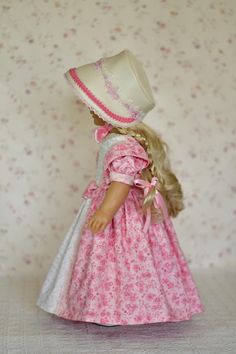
(114, 198)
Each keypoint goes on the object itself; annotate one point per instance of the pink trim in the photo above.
(158, 200)
(121, 177)
(83, 87)
(114, 91)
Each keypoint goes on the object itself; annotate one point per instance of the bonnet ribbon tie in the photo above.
(158, 199)
(102, 131)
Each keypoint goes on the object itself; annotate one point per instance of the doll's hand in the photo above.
(112, 201)
(98, 221)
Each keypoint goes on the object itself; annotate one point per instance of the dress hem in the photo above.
(94, 320)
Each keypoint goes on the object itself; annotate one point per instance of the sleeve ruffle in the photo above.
(125, 160)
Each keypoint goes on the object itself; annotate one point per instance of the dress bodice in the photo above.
(106, 144)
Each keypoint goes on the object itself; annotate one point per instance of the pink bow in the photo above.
(158, 200)
(91, 188)
(102, 131)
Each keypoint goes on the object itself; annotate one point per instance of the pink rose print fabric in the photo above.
(124, 169)
(121, 275)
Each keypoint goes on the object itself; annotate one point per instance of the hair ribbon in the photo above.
(158, 199)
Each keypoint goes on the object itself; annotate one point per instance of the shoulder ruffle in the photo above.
(124, 161)
(129, 147)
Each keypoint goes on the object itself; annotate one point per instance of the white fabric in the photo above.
(58, 275)
(125, 73)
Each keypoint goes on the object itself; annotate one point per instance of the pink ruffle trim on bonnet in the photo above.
(92, 97)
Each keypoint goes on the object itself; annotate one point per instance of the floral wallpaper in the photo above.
(48, 152)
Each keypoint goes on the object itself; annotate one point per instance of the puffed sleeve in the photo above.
(125, 160)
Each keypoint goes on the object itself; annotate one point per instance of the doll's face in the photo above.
(96, 119)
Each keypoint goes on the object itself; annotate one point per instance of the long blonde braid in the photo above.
(159, 166)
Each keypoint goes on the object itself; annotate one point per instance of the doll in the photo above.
(120, 262)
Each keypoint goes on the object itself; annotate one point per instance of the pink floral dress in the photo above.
(121, 276)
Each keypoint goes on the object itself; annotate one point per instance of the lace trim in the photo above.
(129, 100)
(107, 119)
(115, 92)
(85, 89)
(121, 177)
(92, 108)
(108, 142)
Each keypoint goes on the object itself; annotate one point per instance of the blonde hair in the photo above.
(157, 151)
